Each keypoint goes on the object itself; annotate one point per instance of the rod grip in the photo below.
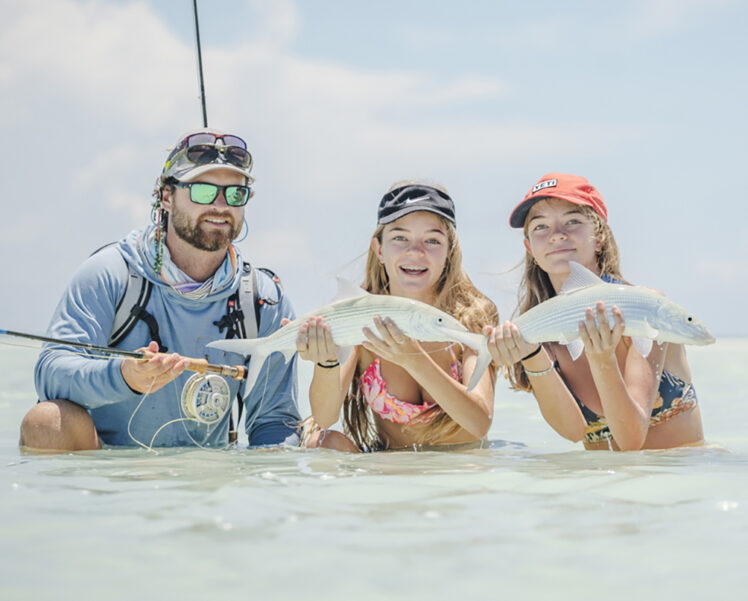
(237, 372)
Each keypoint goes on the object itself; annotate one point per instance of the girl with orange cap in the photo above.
(611, 396)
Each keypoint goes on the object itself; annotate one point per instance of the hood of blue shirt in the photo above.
(139, 253)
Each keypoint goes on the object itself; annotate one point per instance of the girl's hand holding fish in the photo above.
(391, 344)
(600, 340)
(506, 345)
(314, 342)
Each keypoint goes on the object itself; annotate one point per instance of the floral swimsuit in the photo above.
(374, 390)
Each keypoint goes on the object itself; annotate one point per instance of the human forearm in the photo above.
(628, 420)
(325, 395)
(314, 343)
(556, 403)
(472, 411)
(91, 383)
(626, 414)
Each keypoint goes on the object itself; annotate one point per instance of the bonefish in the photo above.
(647, 315)
(348, 317)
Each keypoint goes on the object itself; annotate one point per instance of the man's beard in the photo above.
(193, 234)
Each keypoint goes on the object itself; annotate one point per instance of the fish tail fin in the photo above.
(642, 345)
(256, 362)
(484, 360)
(241, 346)
(575, 348)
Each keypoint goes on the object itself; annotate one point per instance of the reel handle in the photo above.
(201, 366)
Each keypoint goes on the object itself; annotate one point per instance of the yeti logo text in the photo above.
(549, 183)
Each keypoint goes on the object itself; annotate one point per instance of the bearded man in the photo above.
(174, 286)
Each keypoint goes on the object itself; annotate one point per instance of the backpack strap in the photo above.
(241, 324)
(249, 297)
(237, 322)
(131, 307)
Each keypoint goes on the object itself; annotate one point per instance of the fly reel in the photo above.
(206, 398)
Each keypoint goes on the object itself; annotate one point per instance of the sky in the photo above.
(340, 99)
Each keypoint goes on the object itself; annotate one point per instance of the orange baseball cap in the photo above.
(571, 188)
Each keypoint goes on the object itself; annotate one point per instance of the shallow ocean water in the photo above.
(531, 515)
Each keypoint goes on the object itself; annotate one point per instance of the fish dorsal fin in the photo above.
(347, 289)
(579, 277)
(642, 345)
(575, 348)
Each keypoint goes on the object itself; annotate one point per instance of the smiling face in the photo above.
(413, 251)
(558, 232)
(205, 227)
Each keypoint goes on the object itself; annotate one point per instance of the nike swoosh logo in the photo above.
(412, 200)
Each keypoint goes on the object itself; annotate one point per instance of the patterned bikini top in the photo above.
(674, 396)
(387, 406)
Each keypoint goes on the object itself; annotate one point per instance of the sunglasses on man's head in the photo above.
(204, 194)
(201, 149)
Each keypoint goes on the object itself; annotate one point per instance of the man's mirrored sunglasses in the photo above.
(204, 194)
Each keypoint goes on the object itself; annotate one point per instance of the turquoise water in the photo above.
(532, 515)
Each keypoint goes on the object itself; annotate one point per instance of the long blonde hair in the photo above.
(535, 285)
(455, 295)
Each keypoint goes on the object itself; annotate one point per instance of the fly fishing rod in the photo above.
(200, 65)
(237, 372)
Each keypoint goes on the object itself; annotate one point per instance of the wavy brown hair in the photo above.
(455, 295)
(535, 285)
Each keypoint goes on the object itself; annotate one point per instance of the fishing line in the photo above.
(149, 447)
(174, 421)
(132, 416)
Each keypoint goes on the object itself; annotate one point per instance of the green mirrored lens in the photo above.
(237, 196)
(203, 194)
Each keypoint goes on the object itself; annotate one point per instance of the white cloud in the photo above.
(280, 21)
(102, 164)
(113, 59)
(312, 114)
(663, 16)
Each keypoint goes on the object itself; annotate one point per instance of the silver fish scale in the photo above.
(558, 317)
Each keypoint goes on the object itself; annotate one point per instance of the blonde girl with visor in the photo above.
(610, 397)
(395, 392)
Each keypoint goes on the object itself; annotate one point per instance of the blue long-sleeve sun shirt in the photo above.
(86, 314)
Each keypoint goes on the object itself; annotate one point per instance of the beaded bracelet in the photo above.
(543, 372)
(329, 364)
